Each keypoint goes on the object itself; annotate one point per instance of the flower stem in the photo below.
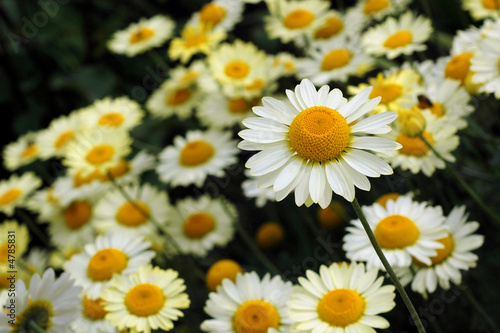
(34, 326)
(464, 185)
(480, 310)
(388, 268)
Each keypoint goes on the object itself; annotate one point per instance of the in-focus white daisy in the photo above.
(395, 37)
(52, 304)
(341, 298)
(200, 154)
(456, 255)
(121, 113)
(378, 9)
(220, 15)
(15, 190)
(113, 253)
(404, 229)
(482, 9)
(334, 61)
(293, 20)
(251, 189)
(92, 318)
(315, 144)
(54, 140)
(97, 150)
(198, 225)
(486, 64)
(23, 151)
(149, 299)
(142, 36)
(115, 213)
(415, 155)
(249, 305)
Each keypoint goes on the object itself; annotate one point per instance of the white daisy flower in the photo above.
(341, 298)
(23, 151)
(333, 61)
(337, 25)
(446, 266)
(293, 20)
(198, 225)
(52, 304)
(54, 140)
(114, 213)
(415, 155)
(481, 9)
(314, 144)
(249, 305)
(378, 9)
(92, 318)
(142, 36)
(395, 37)
(200, 154)
(286, 64)
(486, 65)
(113, 253)
(15, 191)
(220, 15)
(404, 229)
(149, 299)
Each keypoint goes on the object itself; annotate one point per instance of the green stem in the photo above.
(34, 326)
(464, 185)
(388, 268)
(480, 310)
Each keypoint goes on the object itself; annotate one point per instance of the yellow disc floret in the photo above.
(196, 153)
(332, 27)
(141, 34)
(237, 69)
(145, 300)
(100, 154)
(132, 214)
(255, 316)
(178, 96)
(319, 133)
(341, 307)
(10, 196)
(212, 14)
(336, 59)
(299, 18)
(374, 6)
(269, 235)
(198, 225)
(414, 146)
(113, 119)
(388, 92)
(222, 269)
(458, 66)
(399, 39)
(491, 4)
(382, 200)
(63, 138)
(396, 232)
(30, 151)
(105, 263)
(442, 254)
(93, 309)
(77, 214)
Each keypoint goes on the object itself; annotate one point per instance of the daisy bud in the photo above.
(412, 122)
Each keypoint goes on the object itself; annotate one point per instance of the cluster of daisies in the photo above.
(112, 233)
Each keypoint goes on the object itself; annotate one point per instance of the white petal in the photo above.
(374, 143)
(317, 182)
(259, 123)
(355, 102)
(373, 124)
(288, 174)
(262, 136)
(367, 163)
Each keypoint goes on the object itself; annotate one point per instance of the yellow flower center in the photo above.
(255, 316)
(77, 214)
(237, 69)
(298, 18)
(117, 171)
(212, 14)
(388, 92)
(375, 6)
(141, 34)
(332, 26)
(491, 4)
(238, 105)
(193, 38)
(319, 133)
(330, 216)
(92, 308)
(178, 97)
(336, 59)
(10, 196)
(442, 254)
(189, 77)
(414, 146)
(30, 151)
(399, 39)
(145, 300)
(113, 119)
(255, 85)
(269, 235)
(198, 225)
(105, 263)
(63, 139)
(79, 179)
(341, 307)
(132, 215)
(195, 153)
(458, 66)
(4, 252)
(40, 312)
(100, 154)
(437, 109)
(222, 269)
(396, 232)
(386, 197)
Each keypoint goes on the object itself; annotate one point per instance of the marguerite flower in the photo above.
(314, 144)
(456, 255)
(15, 190)
(198, 225)
(249, 305)
(486, 64)
(54, 140)
(378, 9)
(149, 299)
(23, 151)
(404, 229)
(191, 159)
(220, 15)
(395, 37)
(113, 253)
(337, 25)
(220, 270)
(341, 298)
(481, 9)
(52, 304)
(92, 318)
(142, 36)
